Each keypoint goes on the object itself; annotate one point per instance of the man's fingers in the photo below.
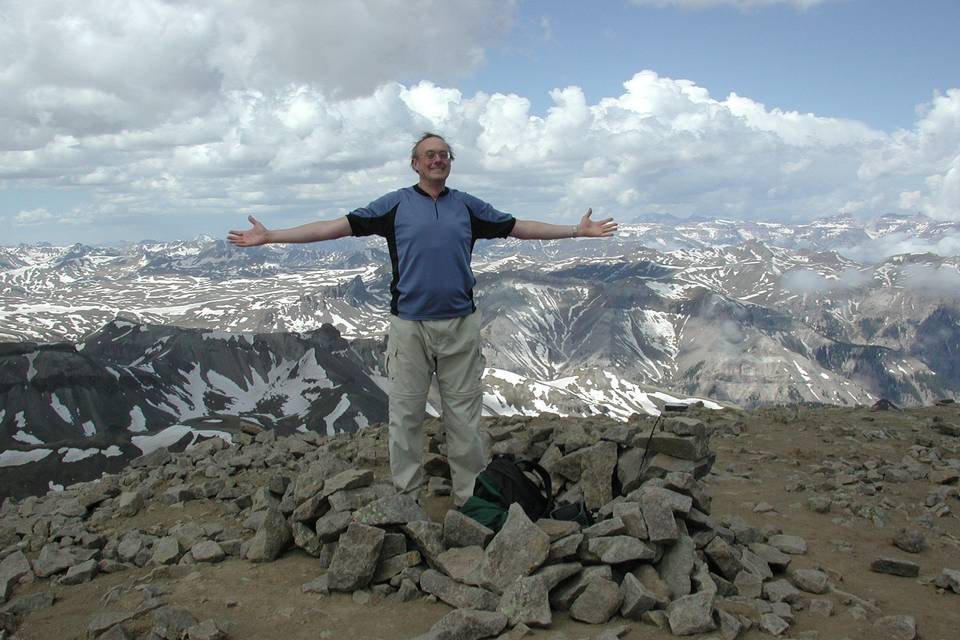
(253, 220)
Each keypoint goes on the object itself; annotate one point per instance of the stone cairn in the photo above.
(655, 556)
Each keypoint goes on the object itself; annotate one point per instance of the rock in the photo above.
(949, 579)
(691, 614)
(821, 607)
(676, 566)
(355, 560)
(683, 447)
(207, 551)
(748, 585)
(777, 560)
(166, 550)
(599, 601)
(206, 630)
(100, 622)
(597, 465)
(619, 549)
(171, 623)
(78, 573)
(658, 516)
(12, 568)
(725, 557)
(896, 567)
(651, 580)
(319, 585)
(781, 591)
(456, 594)
(554, 574)
(518, 549)
(896, 628)
(635, 598)
(427, 538)
(349, 479)
(755, 564)
(310, 509)
(773, 624)
(395, 509)
(565, 547)
(794, 545)
(526, 602)
(564, 595)
(811, 580)
(910, 540)
(460, 530)
(462, 564)
(331, 526)
(394, 565)
(271, 539)
(53, 559)
(354, 499)
(466, 624)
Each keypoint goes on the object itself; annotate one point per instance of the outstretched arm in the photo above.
(533, 230)
(310, 232)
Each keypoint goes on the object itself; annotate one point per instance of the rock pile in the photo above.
(656, 555)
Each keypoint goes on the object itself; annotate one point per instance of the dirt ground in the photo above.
(781, 458)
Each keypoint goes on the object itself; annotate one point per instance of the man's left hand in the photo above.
(595, 228)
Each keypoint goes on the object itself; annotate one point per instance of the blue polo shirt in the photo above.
(431, 243)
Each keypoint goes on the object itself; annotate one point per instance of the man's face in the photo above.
(435, 167)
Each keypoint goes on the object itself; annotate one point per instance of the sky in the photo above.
(151, 119)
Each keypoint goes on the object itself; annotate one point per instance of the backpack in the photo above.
(508, 479)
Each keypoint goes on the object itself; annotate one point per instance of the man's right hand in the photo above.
(250, 238)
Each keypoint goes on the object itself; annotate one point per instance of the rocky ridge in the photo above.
(659, 560)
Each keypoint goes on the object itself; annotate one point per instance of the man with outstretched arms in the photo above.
(434, 328)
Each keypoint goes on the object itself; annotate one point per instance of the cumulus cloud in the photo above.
(942, 279)
(809, 281)
(739, 4)
(32, 216)
(202, 108)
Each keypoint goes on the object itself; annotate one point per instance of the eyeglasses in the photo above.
(430, 154)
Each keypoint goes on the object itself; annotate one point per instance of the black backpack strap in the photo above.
(529, 465)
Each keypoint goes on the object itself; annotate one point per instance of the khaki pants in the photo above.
(416, 350)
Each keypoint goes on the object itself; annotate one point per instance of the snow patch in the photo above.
(71, 454)
(138, 422)
(26, 438)
(173, 434)
(12, 458)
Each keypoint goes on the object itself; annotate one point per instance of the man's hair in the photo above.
(426, 136)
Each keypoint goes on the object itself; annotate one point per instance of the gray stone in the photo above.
(598, 602)
(264, 499)
(676, 566)
(565, 547)
(427, 538)
(610, 527)
(100, 622)
(691, 614)
(629, 471)
(53, 559)
(619, 549)
(166, 550)
(306, 538)
(755, 564)
(724, 557)
(311, 509)
(171, 623)
(896, 567)
(130, 545)
(949, 579)
(271, 539)
(677, 502)
(12, 568)
(206, 630)
(554, 574)
(456, 594)
(748, 585)
(683, 447)
(395, 565)
(460, 530)
(636, 598)
(462, 564)
(116, 632)
(896, 627)
(564, 595)
(658, 516)
(794, 545)
(517, 550)
(319, 585)
(910, 540)
(597, 465)
(811, 580)
(353, 499)
(349, 479)
(466, 624)
(781, 591)
(78, 573)
(777, 560)
(526, 601)
(207, 551)
(331, 526)
(773, 624)
(395, 509)
(652, 582)
(355, 560)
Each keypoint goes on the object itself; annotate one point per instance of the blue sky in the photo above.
(172, 119)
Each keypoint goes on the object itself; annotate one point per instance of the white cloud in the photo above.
(739, 4)
(943, 279)
(808, 281)
(206, 108)
(32, 216)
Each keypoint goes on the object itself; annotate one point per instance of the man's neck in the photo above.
(432, 187)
